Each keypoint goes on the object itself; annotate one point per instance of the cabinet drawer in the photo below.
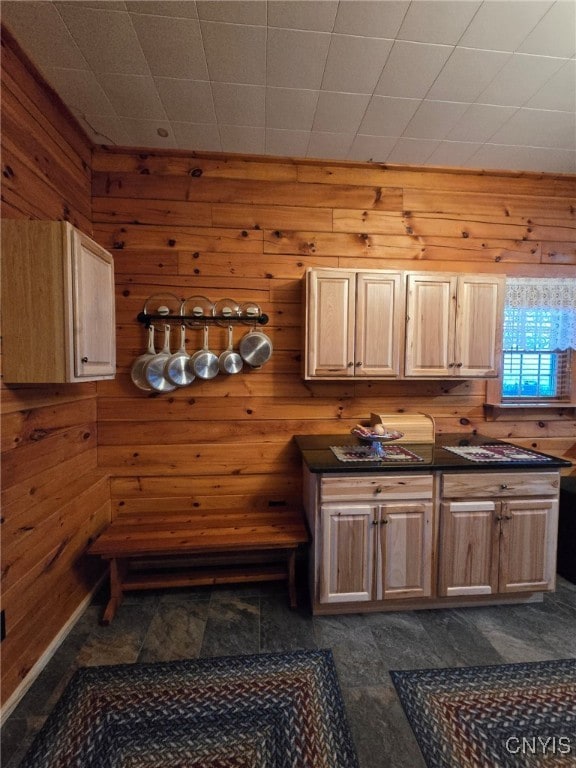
(375, 487)
(488, 484)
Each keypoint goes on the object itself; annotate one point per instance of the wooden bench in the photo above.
(141, 550)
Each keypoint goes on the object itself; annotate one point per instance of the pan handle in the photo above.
(151, 349)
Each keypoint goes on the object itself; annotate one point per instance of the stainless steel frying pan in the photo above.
(204, 363)
(137, 370)
(176, 368)
(230, 361)
(154, 368)
(255, 348)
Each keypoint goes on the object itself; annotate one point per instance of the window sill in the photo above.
(529, 411)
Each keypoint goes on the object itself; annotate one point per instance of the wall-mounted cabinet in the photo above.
(380, 324)
(454, 325)
(354, 323)
(58, 318)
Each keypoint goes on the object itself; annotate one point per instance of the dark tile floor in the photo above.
(242, 620)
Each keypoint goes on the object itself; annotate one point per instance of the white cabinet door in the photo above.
(93, 327)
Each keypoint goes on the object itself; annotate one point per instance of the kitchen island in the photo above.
(462, 521)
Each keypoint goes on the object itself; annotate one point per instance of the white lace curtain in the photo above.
(540, 314)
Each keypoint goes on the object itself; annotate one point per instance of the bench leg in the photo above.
(292, 578)
(117, 571)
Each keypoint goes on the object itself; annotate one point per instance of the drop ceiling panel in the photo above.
(463, 82)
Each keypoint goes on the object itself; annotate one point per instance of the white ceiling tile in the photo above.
(202, 138)
(233, 11)
(340, 111)
(295, 58)
(291, 143)
(434, 119)
(539, 128)
(327, 145)
(555, 33)
(411, 69)
(355, 63)
(103, 129)
(243, 138)
(144, 133)
(375, 148)
(370, 18)
(80, 90)
(388, 116)
(520, 158)
(107, 39)
(502, 26)
(173, 47)
(133, 96)
(182, 9)
(412, 151)
(467, 72)
(519, 79)
(47, 35)
(105, 5)
(238, 104)
(479, 123)
(559, 92)
(437, 21)
(302, 14)
(235, 53)
(186, 101)
(453, 153)
(290, 108)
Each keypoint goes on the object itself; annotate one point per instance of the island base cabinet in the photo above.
(373, 552)
(496, 547)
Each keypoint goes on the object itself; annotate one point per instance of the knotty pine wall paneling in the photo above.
(248, 228)
(54, 497)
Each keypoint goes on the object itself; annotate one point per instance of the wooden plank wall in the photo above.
(54, 498)
(247, 229)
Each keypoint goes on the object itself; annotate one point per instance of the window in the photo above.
(536, 371)
(539, 339)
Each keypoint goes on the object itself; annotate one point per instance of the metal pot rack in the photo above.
(169, 309)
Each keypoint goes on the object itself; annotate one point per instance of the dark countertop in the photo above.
(317, 456)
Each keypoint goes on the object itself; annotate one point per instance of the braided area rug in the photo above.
(281, 710)
(508, 715)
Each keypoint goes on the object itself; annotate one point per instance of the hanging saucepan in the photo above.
(176, 368)
(204, 363)
(230, 361)
(137, 370)
(154, 368)
(255, 348)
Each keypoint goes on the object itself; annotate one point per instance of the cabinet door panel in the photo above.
(469, 535)
(528, 545)
(93, 308)
(347, 557)
(330, 332)
(478, 325)
(405, 551)
(430, 325)
(379, 317)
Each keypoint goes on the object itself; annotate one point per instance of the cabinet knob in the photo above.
(507, 517)
(503, 486)
(450, 365)
(498, 518)
(358, 364)
(458, 365)
(84, 359)
(384, 521)
(350, 365)
(379, 489)
(374, 522)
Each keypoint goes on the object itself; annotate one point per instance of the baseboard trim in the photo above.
(31, 677)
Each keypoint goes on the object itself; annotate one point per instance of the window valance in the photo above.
(540, 314)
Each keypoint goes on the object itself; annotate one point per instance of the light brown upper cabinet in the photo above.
(58, 319)
(454, 325)
(354, 323)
